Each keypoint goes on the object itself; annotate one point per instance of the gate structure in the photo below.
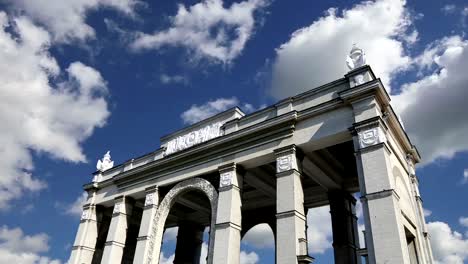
(233, 171)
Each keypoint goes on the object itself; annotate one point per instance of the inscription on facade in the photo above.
(194, 137)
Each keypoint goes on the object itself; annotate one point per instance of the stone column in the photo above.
(385, 235)
(189, 243)
(291, 238)
(149, 212)
(344, 225)
(115, 242)
(85, 241)
(228, 217)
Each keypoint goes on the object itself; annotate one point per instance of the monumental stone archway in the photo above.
(314, 149)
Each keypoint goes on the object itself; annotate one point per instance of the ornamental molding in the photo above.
(226, 179)
(370, 137)
(284, 163)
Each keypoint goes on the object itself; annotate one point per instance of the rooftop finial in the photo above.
(106, 162)
(356, 58)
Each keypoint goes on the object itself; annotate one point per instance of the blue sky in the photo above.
(82, 77)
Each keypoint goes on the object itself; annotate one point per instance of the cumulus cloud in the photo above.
(449, 9)
(439, 95)
(448, 246)
(16, 247)
(40, 111)
(316, 54)
(67, 19)
(207, 29)
(463, 221)
(319, 231)
(260, 236)
(199, 112)
(76, 208)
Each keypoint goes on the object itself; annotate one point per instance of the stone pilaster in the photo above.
(115, 242)
(344, 225)
(149, 211)
(422, 234)
(228, 218)
(189, 243)
(385, 235)
(85, 241)
(291, 240)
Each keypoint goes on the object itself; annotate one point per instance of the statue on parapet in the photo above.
(106, 162)
(356, 58)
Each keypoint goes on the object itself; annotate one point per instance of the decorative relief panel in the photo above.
(86, 214)
(149, 200)
(226, 179)
(117, 208)
(370, 137)
(284, 163)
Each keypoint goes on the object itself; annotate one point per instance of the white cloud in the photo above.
(316, 54)
(66, 20)
(260, 236)
(448, 9)
(248, 258)
(39, 111)
(449, 247)
(465, 176)
(427, 212)
(463, 221)
(173, 79)
(18, 248)
(76, 208)
(166, 260)
(170, 234)
(438, 96)
(207, 30)
(199, 112)
(319, 231)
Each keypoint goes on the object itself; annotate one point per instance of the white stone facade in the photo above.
(320, 147)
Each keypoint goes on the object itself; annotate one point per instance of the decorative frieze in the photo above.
(370, 137)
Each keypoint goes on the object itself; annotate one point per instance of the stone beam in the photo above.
(255, 180)
(186, 202)
(314, 172)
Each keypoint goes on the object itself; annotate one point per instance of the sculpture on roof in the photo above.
(356, 58)
(106, 162)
